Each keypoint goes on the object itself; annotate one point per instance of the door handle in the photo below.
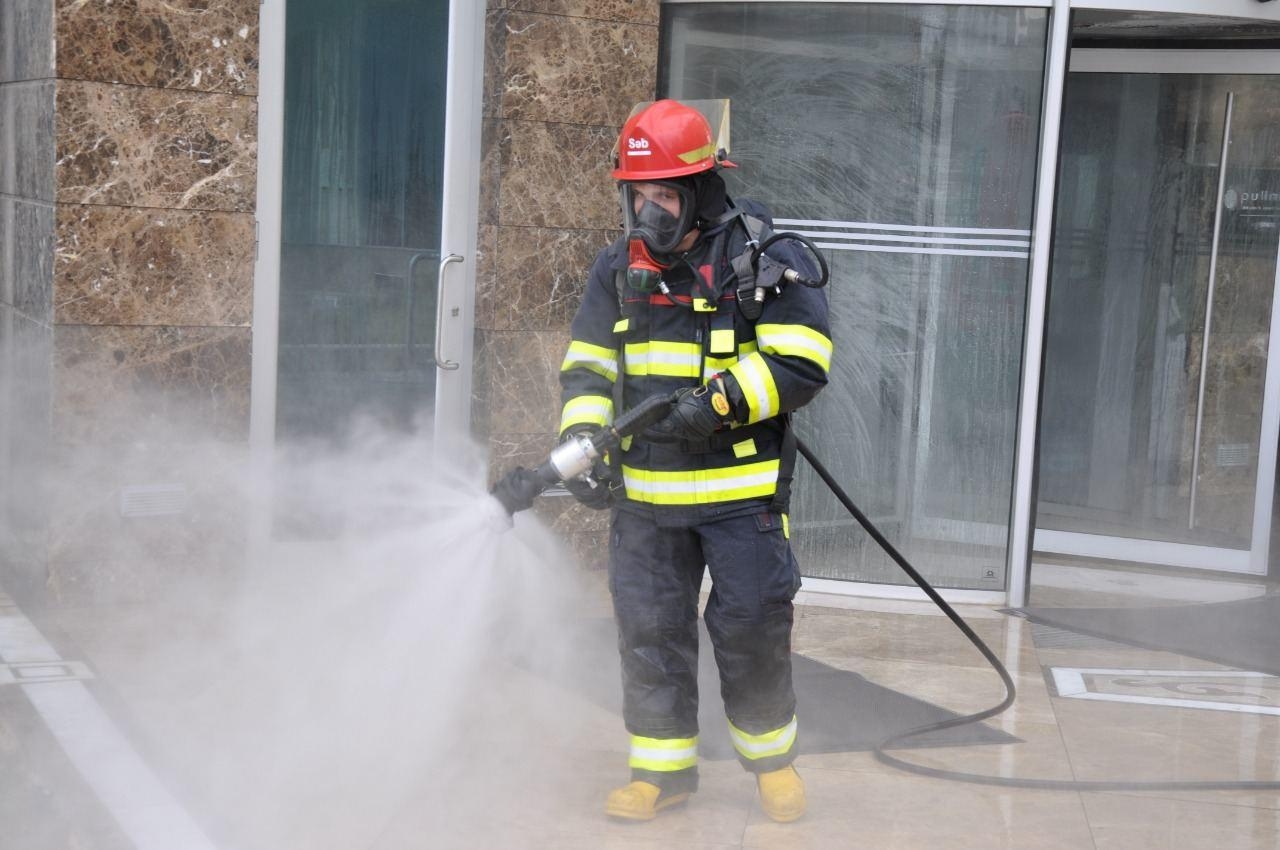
(410, 298)
(441, 362)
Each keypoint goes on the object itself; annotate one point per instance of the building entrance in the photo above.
(1158, 423)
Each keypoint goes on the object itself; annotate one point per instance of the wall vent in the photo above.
(141, 500)
(1234, 454)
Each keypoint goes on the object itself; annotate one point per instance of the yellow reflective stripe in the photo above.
(596, 358)
(586, 410)
(721, 341)
(690, 157)
(621, 325)
(758, 388)
(747, 347)
(786, 527)
(746, 448)
(663, 754)
(671, 359)
(701, 486)
(713, 366)
(775, 743)
(795, 341)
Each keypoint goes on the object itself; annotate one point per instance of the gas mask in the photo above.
(646, 221)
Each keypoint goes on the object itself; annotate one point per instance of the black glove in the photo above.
(600, 496)
(517, 489)
(696, 413)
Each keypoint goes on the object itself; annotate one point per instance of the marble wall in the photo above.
(560, 78)
(127, 194)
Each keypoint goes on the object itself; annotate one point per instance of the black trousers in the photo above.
(655, 574)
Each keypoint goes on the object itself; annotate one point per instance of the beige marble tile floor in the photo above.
(526, 760)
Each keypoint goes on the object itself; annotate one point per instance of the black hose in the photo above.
(824, 271)
(1010, 691)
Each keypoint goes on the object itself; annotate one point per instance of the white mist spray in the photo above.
(334, 690)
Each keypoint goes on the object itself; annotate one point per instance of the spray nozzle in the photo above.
(576, 456)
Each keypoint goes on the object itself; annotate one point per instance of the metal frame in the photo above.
(455, 331)
(1039, 4)
(1108, 61)
(1022, 519)
(266, 272)
(1216, 8)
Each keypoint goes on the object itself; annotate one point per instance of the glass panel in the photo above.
(1123, 407)
(904, 138)
(363, 162)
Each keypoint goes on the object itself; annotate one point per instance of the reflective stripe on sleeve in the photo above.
(758, 388)
(753, 747)
(795, 341)
(702, 486)
(583, 355)
(663, 755)
(670, 359)
(586, 410)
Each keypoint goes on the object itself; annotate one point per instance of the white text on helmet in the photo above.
(638, 144)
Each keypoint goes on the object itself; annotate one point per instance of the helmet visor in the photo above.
(659, 212)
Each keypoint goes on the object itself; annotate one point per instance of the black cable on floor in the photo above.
(1010, 691)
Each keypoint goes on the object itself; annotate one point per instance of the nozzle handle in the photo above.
(651, 411)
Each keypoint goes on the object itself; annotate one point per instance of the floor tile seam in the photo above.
(1174, 796)
(1066, 750)
(1084, 813)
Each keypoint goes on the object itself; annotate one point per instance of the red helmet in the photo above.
(665, 140)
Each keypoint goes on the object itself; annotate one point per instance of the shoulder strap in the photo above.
(750, 296)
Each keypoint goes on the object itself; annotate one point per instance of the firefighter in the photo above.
(707, 487)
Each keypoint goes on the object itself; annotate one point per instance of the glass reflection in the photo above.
(904, 139)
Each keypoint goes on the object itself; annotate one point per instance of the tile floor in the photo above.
(521, 761)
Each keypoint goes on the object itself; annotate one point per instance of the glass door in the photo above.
(903, 139)
(369, 120)
(1158, 429)
(362, 185)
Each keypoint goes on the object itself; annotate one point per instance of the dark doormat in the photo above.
(1243, 634)
(839, 711)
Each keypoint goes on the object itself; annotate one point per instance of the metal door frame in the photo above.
(1254, 560)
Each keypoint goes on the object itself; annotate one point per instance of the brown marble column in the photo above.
(560, 78)
(154, 182)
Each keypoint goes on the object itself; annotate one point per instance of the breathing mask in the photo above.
(652, 223)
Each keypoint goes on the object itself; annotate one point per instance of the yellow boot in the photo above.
(640, 801)
(782, 794)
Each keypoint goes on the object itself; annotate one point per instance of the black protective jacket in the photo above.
(651, 342)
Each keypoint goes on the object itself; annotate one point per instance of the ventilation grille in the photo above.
(141, 500)
(1234, 454)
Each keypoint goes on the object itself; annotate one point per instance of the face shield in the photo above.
(659, 213)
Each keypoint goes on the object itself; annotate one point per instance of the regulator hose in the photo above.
(792, 275)
(898, 738)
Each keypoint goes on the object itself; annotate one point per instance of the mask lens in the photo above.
(659, 224)
(645, 219)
